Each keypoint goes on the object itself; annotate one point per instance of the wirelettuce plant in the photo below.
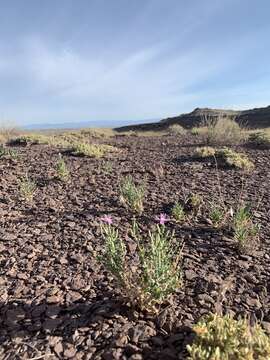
(245, 231)
(178, 212)
(223, 338)
(61, 169)
(132, 195)
(27, 188)
(157, 274)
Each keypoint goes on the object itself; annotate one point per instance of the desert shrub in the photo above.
(178, 212)
(91, 150)
(176, 129)
(33, 139)
(61, 169)
(205, 151)
(223, 338)
(222, 130)
(6, 152)
(260, 139)
(27, 188)
(245, 231)
(233, 159)
(157, 274)
(131, 194)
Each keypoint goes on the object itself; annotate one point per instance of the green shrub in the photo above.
(131, 194)
(178, 212)
(27, 188)
(92, 150)
(223, 338)
(233, 159)
(157, 274)
(61, 169)
(245, 231)
(260, 139)
(205, 151)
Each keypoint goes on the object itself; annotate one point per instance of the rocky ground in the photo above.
(56, 300)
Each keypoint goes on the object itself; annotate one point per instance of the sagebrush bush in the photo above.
(223, 338)
(176, 129)
(222, 131)
(260, 139)
(91, 150)
(131, 194)
(155, 277)
(234, 159)
(245, 231)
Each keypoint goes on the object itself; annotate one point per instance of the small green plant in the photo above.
(107, 167)
(61, 169)
(233, 159)
(217, 214)
(131, 194)
(91, 150)
(194, 202)
(178, 212)
(195, 131)
(205, 151)
(223, 338)
(27, 188)
(115, 250)
(157, 274)
(245, 231)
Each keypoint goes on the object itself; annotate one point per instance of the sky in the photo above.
(130, 60)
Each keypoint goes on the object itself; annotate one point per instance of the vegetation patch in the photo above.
(91, 150)
(157, 275)
(131, 194)
(223, 338)
(245, 231)
(260, 140)
(234, 159)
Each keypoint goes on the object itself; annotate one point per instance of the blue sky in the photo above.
(95, 60)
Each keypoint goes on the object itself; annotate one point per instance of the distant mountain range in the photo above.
(84, 124)
(254, 118)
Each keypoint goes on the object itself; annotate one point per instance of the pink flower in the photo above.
(107, 219)
(162, 218)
